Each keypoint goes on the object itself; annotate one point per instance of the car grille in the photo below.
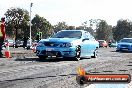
(53, 53)
(124, 45)
(54, 44)
(50, 53)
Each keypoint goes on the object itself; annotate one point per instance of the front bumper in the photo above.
(128, 48)
(57, 52)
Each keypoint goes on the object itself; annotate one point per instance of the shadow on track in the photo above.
(44, 60)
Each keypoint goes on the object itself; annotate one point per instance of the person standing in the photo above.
(25, 39)
(2, 34)
(109, 43)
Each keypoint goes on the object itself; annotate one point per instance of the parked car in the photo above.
(113, 44)
(35, 43)
(19, 43)
(124, 44)
(10, 41)
(68, 43)
(102, 43)
(28, 45)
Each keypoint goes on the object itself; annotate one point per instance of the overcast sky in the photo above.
(74, 12)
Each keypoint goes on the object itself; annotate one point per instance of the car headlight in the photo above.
(40, 44)
(66, 45)
(118, 45)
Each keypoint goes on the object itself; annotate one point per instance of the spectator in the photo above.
(25, 39)
(109, 43)
(2, 35)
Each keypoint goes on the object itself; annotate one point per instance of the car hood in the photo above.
(74, 41)
(123, 43)
(60, 39)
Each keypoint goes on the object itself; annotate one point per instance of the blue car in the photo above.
(124, 44)
(67, 44)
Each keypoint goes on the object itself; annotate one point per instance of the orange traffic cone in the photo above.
(7, 52)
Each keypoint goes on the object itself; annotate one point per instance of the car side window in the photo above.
(86, 35)
(91, 37)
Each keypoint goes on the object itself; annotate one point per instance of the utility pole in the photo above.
(30, 26)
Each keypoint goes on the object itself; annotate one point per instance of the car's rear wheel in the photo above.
(78, 53)
(95, 54)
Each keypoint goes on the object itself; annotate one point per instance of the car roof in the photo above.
(127, 38)
(101, 40)
(73, 30)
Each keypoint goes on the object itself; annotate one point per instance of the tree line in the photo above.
(18, 22)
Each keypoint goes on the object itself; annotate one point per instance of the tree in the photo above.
(122, 29)
(89, 29)
(17, 21)
(40, 24)
(104, 31)
(70, 28)
(60, 26)
(94, 23)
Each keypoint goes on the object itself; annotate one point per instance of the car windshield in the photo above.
(68, 34)
(126, 40)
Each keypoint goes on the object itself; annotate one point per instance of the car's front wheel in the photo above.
(78, 53)
(117, 50)
(42, 57)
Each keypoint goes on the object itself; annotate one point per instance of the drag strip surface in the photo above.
(30, 73)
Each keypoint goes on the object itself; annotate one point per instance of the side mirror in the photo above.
(85, 39)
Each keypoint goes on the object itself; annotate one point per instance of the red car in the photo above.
(10, 41)
(102, 43)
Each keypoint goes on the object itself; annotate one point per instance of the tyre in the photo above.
(78, 53)
(95, 54)
(42, 57)
(117, 50)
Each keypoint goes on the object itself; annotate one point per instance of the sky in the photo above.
(74, 12)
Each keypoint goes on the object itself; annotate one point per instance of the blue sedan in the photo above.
(67, 44)
(124, 44)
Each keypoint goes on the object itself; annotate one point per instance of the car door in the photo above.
(87, 45)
